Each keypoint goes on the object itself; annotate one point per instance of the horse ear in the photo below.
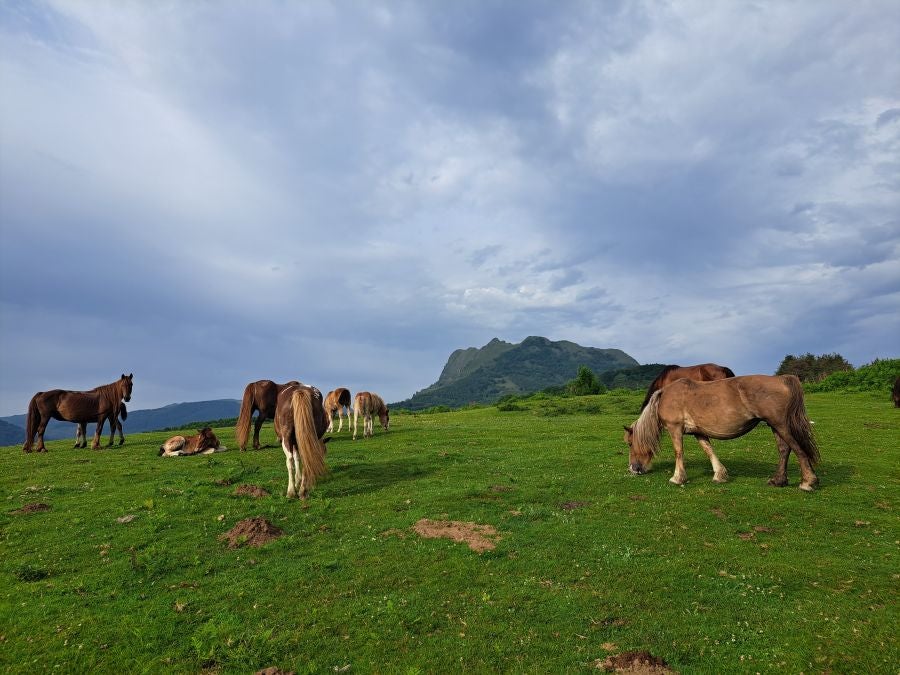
(130, 376)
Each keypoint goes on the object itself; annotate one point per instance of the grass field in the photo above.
(590, 561)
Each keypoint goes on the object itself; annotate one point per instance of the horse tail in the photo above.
(312, 449)
(344, 398)
(123, 411)
(242, 428)
(646, 429)
(798, 421)
(32, 421)
(728, 371)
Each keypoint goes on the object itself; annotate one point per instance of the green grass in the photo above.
(641, 564)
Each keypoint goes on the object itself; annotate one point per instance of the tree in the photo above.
(585, 383)
(811, 368)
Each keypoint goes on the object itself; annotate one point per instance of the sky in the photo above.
(206, 194)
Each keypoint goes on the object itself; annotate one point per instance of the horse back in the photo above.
(72, 406)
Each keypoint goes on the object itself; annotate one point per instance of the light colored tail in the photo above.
(312, 450)
(242, 428)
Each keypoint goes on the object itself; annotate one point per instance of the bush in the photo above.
(585, 383)
(876, 376)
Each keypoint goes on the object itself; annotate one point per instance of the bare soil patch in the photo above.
(272, 670)
(33, 507)
(480, 538)
(634, 662)
(637, 498)
(251, 532)
(247, 490)
(571, 506)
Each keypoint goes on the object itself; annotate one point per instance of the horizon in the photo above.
(345, 194)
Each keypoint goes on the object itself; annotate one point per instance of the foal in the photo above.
(368, 404)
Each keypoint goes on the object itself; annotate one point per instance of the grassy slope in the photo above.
(642, 565)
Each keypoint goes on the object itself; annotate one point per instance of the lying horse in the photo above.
(259, 396)
(300, 423)
(203, 443)
(337, 401)
(705, 372)
(96, 405)
(726, 409)
(368, 404)
(115, 422)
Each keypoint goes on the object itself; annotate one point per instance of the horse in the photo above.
(725, 409)
(704, 372)
(96, 405)
(300, 423)
(203, 443)
(368, 404)
(261, 396)
(81, 438)
(338, 401)
(895, 393)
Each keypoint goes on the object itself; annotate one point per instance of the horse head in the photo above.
(207, 440)
(385, 418)
(639, 460)
(127, 382)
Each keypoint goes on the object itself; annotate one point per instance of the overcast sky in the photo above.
(206, 193)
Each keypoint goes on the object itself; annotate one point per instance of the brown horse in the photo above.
(367, 404)
(262, 397)
(338, 401)
(203, 443)
(96, 405)
(300, 423)
(895, 394)
(726, 409)
(115, 422)
(704, 372)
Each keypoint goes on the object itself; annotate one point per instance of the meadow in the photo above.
(126, 571)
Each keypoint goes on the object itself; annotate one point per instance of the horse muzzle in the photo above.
(637, 469)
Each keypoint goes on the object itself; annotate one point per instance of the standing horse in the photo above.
(96, 405)
(204, 442)
(300, 424)
(368, 404)
(261, 396)
(337, 401)
(704, 372)
(726, 409)
(895, 393)
(115, 422)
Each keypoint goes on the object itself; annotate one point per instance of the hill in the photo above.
(501, 368)
(173, 415)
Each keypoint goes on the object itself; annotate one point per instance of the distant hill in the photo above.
(499, 368)
(12, 428)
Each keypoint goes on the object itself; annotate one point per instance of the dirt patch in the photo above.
(33, 507)
(746, 536)
(718, 513)
(250, 491)
(637, 498)
(762, 528)
(571, 506)
(272, 670)
(480, 538)
(634, 662)
(223, 482)
(251, 532)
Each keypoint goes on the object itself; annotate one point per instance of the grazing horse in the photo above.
(704, 372)
(96, 405)
(115, 422)
(259, 396)
(726, 409)
(203, 443)
(895, 394)
(300, 423)
(367, 404)
(338, 401)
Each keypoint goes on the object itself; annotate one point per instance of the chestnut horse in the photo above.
(367, 404)
(203, 443)
(704, 372)
(300, 423)
(96, 405)
(262, 397)
(726, 409)
(338, 401)
(81, 437)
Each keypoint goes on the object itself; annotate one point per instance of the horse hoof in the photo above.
(778, 482)
(675, 481)
(808, 487)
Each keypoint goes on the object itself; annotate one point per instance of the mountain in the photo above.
(173, 415)
(499, 368)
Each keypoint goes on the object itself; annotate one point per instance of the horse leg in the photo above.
(808, 478)
(680, 475)
(289, 462)
(330, 415)
(121, 435)
(355, 418)
(720, 473)
(780, 479)
(340, 413)
(256, 427)
(300, 477)
(95, 444)
(112, 431)
(41, 428)
(79, 434)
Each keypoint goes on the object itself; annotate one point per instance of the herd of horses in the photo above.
(705, 401)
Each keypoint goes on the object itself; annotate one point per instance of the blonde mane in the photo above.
(646, 429)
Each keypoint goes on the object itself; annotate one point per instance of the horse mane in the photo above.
(645, 431)
(728, 371)
(655, 385)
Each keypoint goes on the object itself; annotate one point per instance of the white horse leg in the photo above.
(720, 473)
(355, 417)
(341, 419)
(288, 460)
(330, 422)
(299, 478)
